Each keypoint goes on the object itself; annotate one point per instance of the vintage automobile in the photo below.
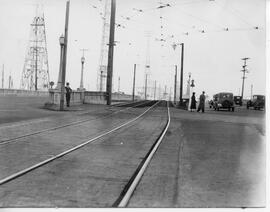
(257, 102)
(237, 100)
(223, 100)
(211, 103)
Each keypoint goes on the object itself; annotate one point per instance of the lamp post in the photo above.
(134, 79)
(182, 68)
(175, 84)
(61, 42)
(188, 90)
(145, 88)
(60, 84)
(192, 85)
(82, 61)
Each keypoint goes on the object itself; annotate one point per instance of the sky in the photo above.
(216, 35)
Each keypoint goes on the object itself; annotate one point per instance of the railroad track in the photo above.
(14, 139)
(129, 188)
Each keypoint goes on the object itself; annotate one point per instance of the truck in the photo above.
(257, 102)
(223, 100)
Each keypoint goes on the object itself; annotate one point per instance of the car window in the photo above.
(226, 95)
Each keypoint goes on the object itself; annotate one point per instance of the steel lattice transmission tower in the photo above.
(35, 75)
(104, 48)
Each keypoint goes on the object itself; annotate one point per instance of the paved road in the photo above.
(215, 159)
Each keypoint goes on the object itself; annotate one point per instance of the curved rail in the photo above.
(9, 140)
(127, 192)
(22, 172)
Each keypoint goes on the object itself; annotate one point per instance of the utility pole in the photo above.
(9, 81)
(159, 92)
(3, 75)
(118, 84)
(145, 88)
(175, 84)
(64, 58)
(170, 95)
(155, 90)
(181, 79)
(82, 61)
(244, 76)
(110, 53)
(251, 92)
(134, 78)
(182, 68)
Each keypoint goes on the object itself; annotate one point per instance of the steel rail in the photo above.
(12, 140)
(127, 192)
(28, 122)
(31, 168)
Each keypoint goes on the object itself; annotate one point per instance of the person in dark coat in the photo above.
(202, 102)
(193, 102)
(68, 92)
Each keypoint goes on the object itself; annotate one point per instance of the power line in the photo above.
(234, 12)
(244, 75)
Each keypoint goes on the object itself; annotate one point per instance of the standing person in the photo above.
(68, 92)
(202, 102)
(193, 102)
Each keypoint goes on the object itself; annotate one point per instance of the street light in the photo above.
(82, 61)
(192, 84)
(60, 84)
(61, 42)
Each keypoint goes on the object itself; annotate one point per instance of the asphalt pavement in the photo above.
(211, 159)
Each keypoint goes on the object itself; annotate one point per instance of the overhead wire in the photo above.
(191, 29)
(234, 12)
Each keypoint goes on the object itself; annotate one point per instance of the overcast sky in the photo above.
(213, 57)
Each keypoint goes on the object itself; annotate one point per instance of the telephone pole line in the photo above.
(244, 76)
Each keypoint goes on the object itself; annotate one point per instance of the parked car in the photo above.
(257, 102)
(237, 100)
(223, 100)
(211, 103)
